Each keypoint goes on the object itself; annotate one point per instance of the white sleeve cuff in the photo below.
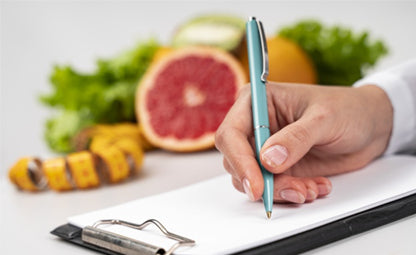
(402, 98)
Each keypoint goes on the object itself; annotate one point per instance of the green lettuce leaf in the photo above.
(103, 96)
(341, 56)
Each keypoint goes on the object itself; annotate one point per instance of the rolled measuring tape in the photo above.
(131, 149)
(79, 170)
(114, 164)
(83, 171)
(133, 152)
(26, 174)
(100, 132)
(56, 172)
(115, 154)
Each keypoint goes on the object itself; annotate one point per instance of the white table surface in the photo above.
(37, 34)
(27, 218)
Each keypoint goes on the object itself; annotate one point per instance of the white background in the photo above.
(37, 34)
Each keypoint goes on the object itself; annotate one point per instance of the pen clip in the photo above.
(264, 52)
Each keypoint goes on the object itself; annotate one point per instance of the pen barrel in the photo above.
(258, 87)
(259, 105)
(261, 134)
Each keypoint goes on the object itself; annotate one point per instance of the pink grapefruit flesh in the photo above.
(184, 97)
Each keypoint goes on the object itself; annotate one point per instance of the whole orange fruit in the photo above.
(287, 62)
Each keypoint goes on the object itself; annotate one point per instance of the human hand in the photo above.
(316, 131)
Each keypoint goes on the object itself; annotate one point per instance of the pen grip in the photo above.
(261, 135)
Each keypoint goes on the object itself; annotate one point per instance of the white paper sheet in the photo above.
(222, 220)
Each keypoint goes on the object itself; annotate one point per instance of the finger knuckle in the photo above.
(237, 185)
(321, 112)
(321, 180)
(220, 137)
(244, 91)
(299, 134)
(227, 166)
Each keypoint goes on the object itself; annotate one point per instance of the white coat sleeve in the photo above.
(400, 85)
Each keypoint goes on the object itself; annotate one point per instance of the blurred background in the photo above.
(36, 35)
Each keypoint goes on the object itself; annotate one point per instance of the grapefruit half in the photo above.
(184, 96)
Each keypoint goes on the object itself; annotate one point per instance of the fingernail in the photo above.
(324, 189)
(292, 196)
(247, 189)
(275, 155)
(311, 195)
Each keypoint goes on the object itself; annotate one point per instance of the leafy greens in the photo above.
(341, 56)
(104, 96)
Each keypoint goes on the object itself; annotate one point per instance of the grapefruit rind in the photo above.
(172, 143)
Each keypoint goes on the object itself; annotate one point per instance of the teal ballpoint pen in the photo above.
(258, 66)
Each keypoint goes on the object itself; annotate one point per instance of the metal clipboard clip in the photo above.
(125, 245)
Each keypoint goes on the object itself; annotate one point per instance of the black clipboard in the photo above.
(302, 242)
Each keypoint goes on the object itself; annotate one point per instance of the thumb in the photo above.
(287, 146)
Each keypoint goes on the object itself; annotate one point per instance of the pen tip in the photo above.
(269, 214)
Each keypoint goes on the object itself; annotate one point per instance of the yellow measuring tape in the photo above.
(115, 153)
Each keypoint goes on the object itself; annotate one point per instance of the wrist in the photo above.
(379, 111)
